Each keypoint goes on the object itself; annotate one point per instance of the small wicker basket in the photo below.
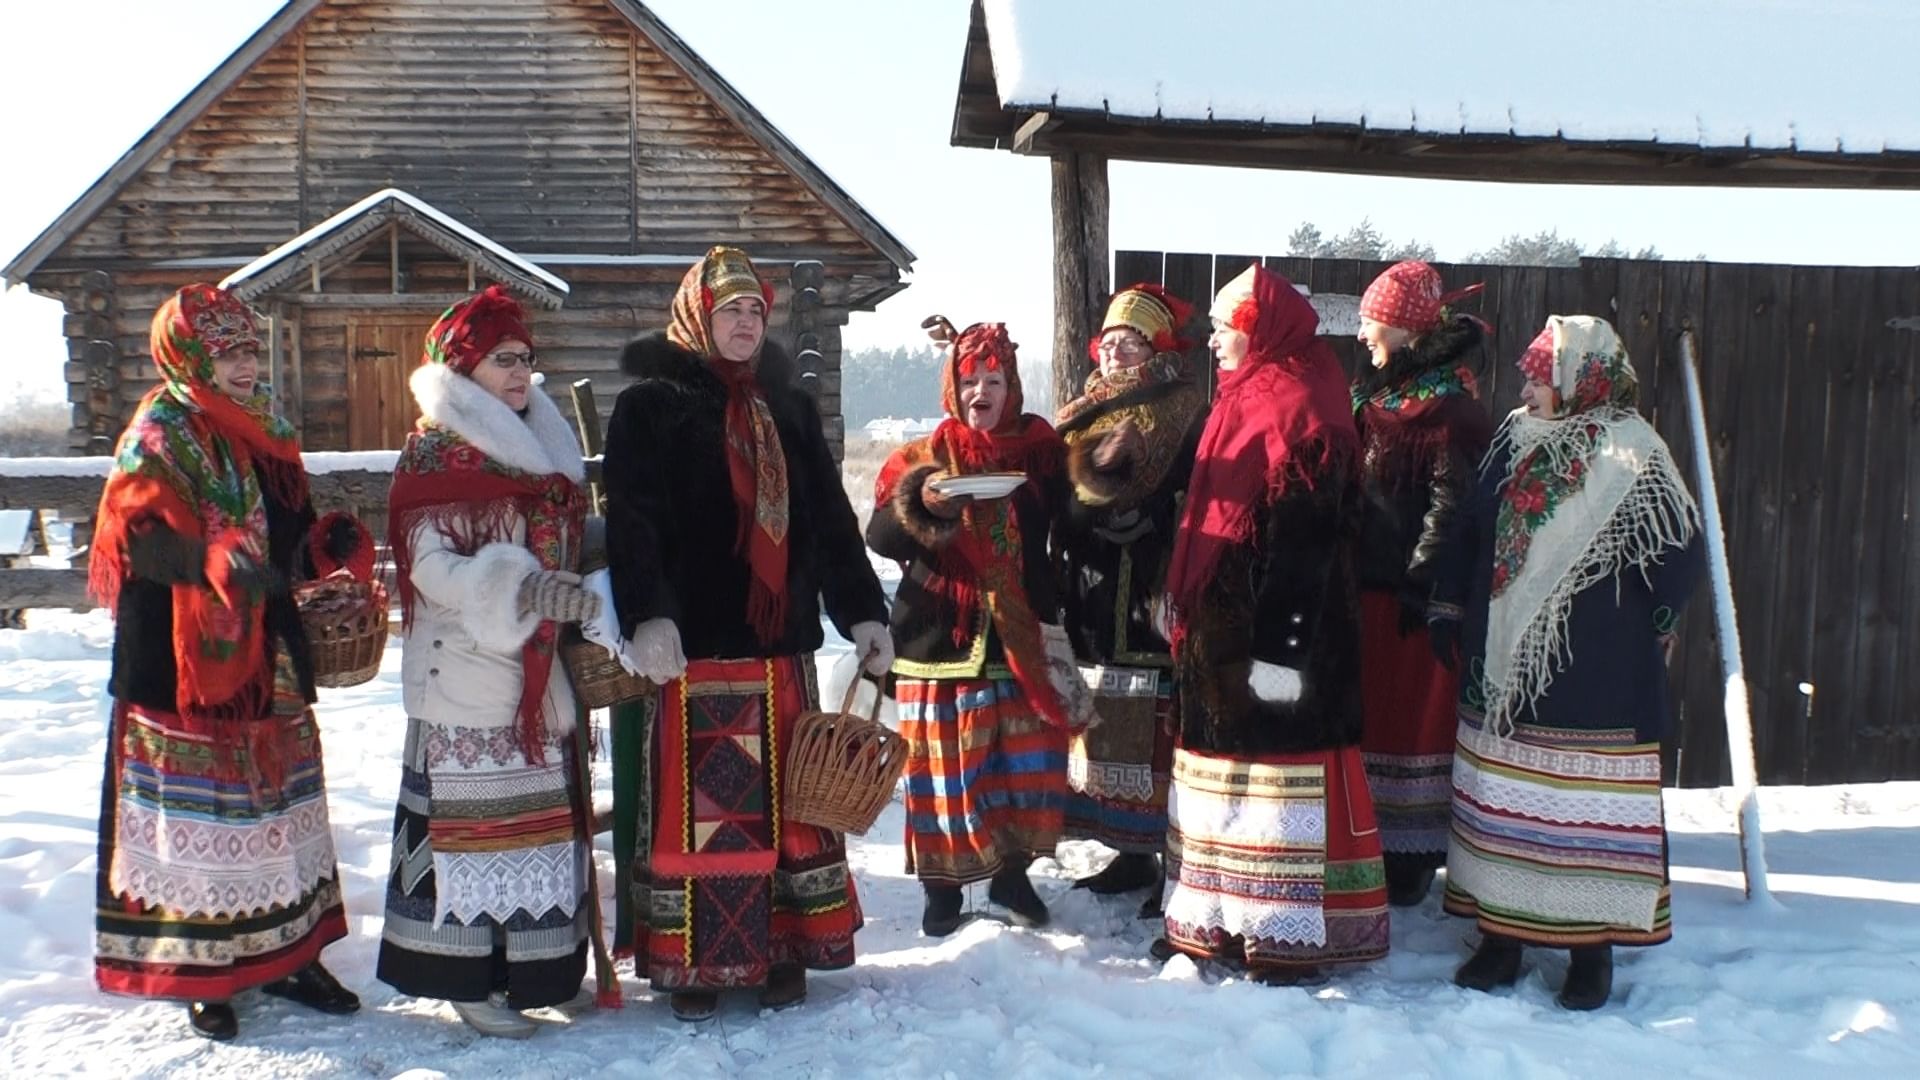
(346, 624)
(842, 767)
(598, 679)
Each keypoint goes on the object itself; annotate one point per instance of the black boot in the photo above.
(1589, 978)
(943, 915)
(213, 1020)
(1494, 964)
(1125, 873)
(1011, 890)
(786, 987)
(694, 1006)
(1407, 882)
(316, 988)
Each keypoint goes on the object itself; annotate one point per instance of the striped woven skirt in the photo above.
(487, 887)
(728, 886)
(1274, 862)
(986, 778)
(1410, 708)
(212, 878)
(1558, 837)
(1117, 771)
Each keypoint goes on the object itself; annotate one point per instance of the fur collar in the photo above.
(1446, 346)
(541, 442)
(655, 357)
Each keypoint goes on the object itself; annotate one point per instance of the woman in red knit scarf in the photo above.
(986, 775)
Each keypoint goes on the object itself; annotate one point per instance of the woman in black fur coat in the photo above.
(1273, 856)
(1423, 432)
(727, 531)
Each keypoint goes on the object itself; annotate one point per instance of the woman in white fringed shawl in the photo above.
(1560, 594)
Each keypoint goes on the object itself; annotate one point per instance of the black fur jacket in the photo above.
(672, 522)
(1421, 454)
(1287, 598)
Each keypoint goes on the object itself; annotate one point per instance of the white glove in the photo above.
(1274, 684)
(874, 644)
(604, 628)
(656, 651)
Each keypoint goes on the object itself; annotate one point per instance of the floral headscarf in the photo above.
(1591, 492)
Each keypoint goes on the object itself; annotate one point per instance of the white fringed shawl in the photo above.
(1631, 506)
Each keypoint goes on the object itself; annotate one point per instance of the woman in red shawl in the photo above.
(987, 731)
(1273, 858)
(216, 869)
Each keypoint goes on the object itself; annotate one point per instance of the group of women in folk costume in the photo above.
(1220, 636)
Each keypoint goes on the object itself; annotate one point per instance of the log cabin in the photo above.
(356, 166)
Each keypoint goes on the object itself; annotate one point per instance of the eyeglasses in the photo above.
(1124, 345)
(508, 361)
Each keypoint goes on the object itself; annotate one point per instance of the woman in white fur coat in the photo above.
(488, 899)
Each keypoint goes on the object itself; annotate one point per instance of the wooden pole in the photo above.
(586, 416)
(1753, 852)
(1080, 286)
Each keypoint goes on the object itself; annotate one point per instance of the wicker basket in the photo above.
(842, 768)
(598, 679)
(346, 622)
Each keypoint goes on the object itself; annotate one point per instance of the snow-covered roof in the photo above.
(1810, 77)
(360, 220)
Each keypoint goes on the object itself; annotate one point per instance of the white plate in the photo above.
(980, 485)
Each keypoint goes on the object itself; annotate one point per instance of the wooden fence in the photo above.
(1812, 400)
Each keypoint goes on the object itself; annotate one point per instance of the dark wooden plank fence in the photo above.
(1811, 378)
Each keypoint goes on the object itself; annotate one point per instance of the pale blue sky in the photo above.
(866, 87)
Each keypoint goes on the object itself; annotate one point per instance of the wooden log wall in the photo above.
(1811, 380)
(550, 127)
(110, 366)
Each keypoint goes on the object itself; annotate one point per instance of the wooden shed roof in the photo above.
(1677, 92)
(360, 224)
(183, 116)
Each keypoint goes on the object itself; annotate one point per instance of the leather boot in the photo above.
(1494, 964)
(1407, 883)
(1589, 978)
(1125, 873)
(213, 1020)
(694, 1006)
(1011, 889)
(786, 987)
(316, 988)
(943, 915)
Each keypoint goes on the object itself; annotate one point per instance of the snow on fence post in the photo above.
(1753, 852)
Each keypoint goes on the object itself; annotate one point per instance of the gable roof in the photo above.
(1640, 91)
(359, 221)
(183, 116)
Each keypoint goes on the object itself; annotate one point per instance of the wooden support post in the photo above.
(1080, 283)
(586, 415)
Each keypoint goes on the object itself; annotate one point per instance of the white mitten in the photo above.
(1274, 684)
(872, 642)
(604, 628)
(656, 651)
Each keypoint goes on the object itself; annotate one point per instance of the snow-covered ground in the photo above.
(1826, 985)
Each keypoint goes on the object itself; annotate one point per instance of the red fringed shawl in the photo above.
(445, 483)
(195, 460)
(984, 562)
(1281, 417)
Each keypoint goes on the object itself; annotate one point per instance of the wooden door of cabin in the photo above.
(381, 352)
